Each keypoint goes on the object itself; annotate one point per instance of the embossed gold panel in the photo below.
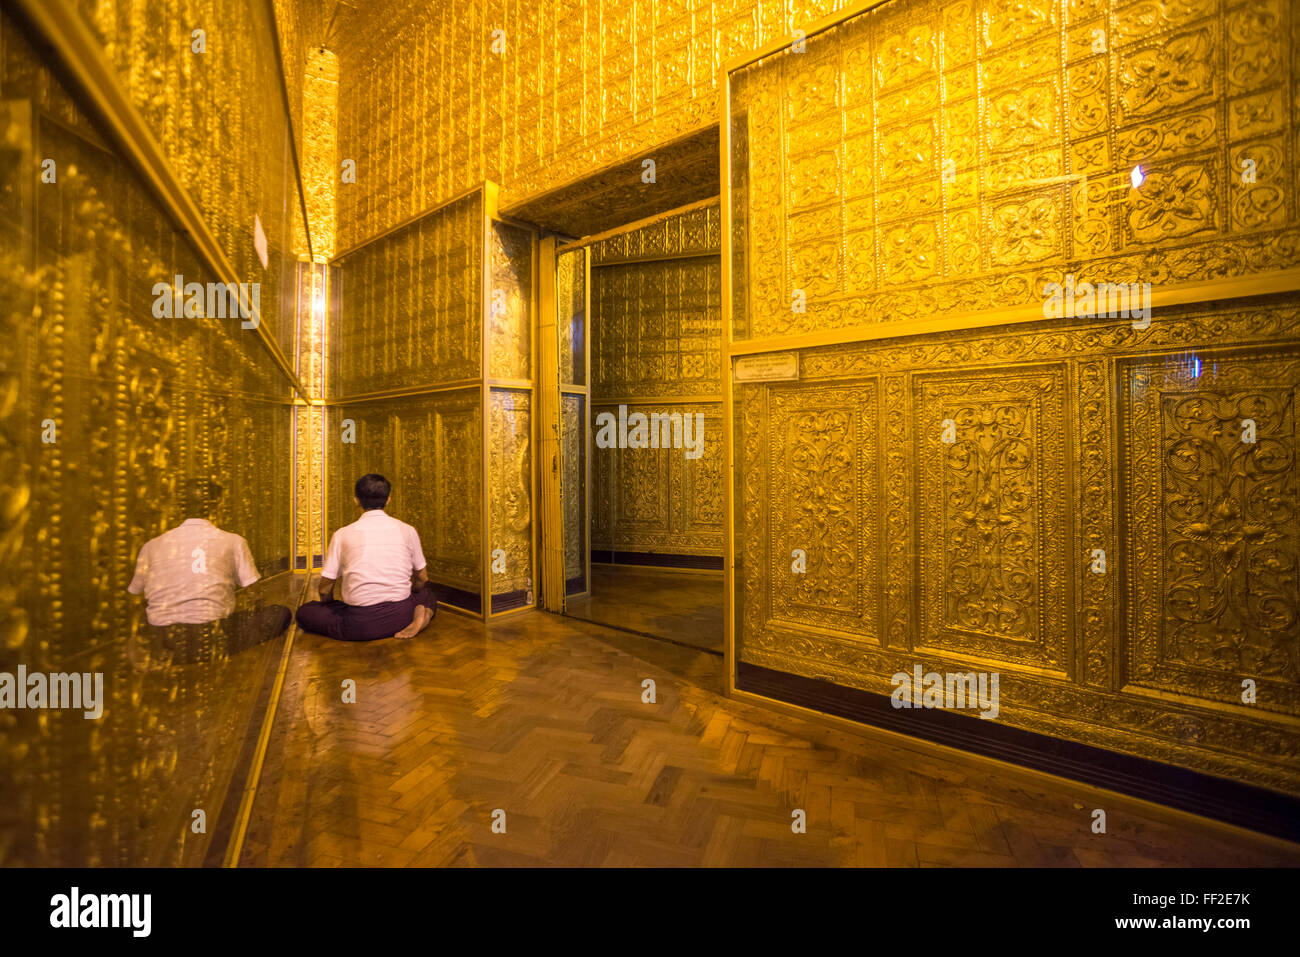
(1211, 499)
(994, 521)
(412, 305)
(932, 158)
(511, 477)
(509, 306)
(428, 110)
(574, 486)
(658, 500)
(1098, 531)
(814, 562)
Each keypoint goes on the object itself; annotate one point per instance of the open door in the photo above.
(564, 400)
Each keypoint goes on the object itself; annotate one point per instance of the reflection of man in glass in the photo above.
(188, 577)
(386, 591)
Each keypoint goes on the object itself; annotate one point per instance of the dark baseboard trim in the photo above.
(461, 599)
(510, 600)
(1244, 805)
(575, 585)
(605, 556)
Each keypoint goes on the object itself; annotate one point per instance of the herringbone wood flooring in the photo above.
(542, 717)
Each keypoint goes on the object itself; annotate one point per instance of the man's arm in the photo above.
(330, 573)
(420, 568)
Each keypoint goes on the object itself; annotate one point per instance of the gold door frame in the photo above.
(550, 386)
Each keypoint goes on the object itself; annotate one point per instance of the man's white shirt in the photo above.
(373, 559)
(188, 575)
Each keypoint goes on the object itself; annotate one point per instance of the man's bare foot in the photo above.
(422, 618)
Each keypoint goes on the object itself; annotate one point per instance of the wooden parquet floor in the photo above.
(542, 717)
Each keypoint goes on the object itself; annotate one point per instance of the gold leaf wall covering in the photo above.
(429, 110)
(932, 157)
(412, 305)
(430, 448)
(509, 306)
(978, 554)
(574, 490)
(234, 162)
(657, 347)
(510, 475)
(107, 412)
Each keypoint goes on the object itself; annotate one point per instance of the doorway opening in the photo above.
(633, 518)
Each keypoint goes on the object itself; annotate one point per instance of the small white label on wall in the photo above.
(771, 367)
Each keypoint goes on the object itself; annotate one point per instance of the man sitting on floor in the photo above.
(386, 593)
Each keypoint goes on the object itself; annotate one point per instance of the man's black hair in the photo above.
(200, 497)
(372, 491)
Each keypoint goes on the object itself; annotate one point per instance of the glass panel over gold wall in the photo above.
(1010, 414)
(412, 305)
(135, 399)
(571, 330)
(510, 474)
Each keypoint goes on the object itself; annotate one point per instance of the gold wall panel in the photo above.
(412, 305)
(138, 406)
(657, 500)
(510, 304)
(1216, 534)
(232, 160)
(656, 305)
(931, 157)
(1069, 437)
(431, 448)
(571, 316)
(691, 232)
(993, 558)
(657, 328)
(428, 110)
(510, 474)
(818, 448)
(321, 173)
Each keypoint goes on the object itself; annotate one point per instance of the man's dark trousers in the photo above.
(335, 619)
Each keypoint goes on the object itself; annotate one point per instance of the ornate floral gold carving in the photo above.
(511, 477)
(1099, 533)
(993, 521)
(510, 303)
(573, 486)
(1216, 548)
(1020, 173)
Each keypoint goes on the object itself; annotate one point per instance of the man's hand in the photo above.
(326, 589)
